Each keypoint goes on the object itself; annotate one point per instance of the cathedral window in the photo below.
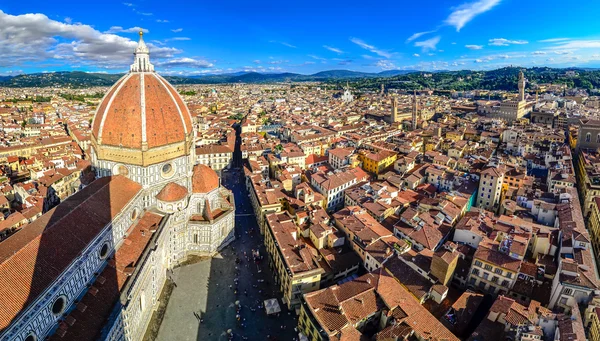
(167, 170)
(104, 251)
(58, 307)
(134, 214)
(31, 337)
(588, 137)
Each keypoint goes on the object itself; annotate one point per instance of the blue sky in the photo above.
(308, 36)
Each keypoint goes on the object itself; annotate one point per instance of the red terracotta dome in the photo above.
(142, 110)
(204, 179)
(172, 192)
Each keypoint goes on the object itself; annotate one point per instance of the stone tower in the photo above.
(394, 112)
(521, 86)
(415, 109)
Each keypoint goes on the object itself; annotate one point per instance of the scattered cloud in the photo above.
(538, 53)
(185, 63)
(464, 13)
(144, 13)
(162, 21)
(577, 44)
(416, 55)
(321, 59)
(429, 44)
(386, 65)
(474, 47)
(333, 49)
(418, 34)
(506, 42)
(179, 39)
(119, 29)
(256, 61)
(345, 62)
(553, 40)
(177, 30)
(34, 37)
(282, 43)
(371, 48)
(128, 4)
(68, 20)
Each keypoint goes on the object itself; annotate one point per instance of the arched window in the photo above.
(598, 138)
(588, 137)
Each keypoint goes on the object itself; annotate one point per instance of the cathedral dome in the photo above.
(204, 179)
(172, 192)
(142, 119)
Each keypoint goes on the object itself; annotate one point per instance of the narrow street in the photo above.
(208, 287)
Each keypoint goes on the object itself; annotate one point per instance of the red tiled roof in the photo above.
(98, 303)
(172, 192)
(31, 259)
(204, 179)
(119, 120)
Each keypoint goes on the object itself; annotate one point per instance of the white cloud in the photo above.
(177, 30)
(256, 61)
(162, 21)
(386, 65)
(35, 37)
(185, 63)
(478, 60)
(577, 44)
(418, 34)
(464, 13)
(119, 29)
(538, 53)
(333, 49)
(128, 4)
(68, 20)
(429, 44)
(322, 60)
(288, 45)
(371, 48)
(553, 40)
(416, 55)
(179, 39)
(506, 42)
(474, 47)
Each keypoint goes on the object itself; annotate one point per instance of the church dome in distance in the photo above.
(204, 179)
(142, 118)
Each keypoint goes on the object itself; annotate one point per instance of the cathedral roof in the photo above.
(142, 108)
(172, 192)
(204, 179)
(141, 112)
(34, 257)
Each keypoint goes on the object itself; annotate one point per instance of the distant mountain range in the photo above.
(79, 79)
(501, 79)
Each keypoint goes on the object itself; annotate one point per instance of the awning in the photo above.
(272, 306)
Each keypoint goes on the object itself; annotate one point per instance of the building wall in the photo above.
(499, 280)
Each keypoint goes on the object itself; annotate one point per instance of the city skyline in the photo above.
(302, 38)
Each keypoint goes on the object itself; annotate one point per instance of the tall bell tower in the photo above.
(521, 86)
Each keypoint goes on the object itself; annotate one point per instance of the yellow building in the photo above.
(377, 162)
(592, 320)
(493, 271)
(594, 225)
